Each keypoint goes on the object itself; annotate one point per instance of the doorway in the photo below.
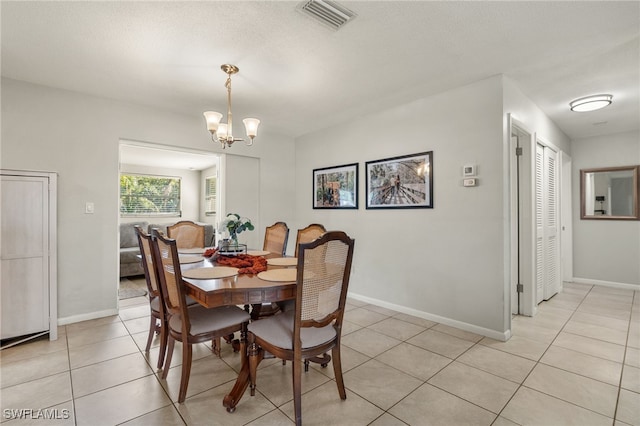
(540, 218)
(194, 172)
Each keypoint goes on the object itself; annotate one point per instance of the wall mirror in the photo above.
(610, 193)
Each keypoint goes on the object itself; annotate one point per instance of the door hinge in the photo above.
(519, 288)
(519, 150)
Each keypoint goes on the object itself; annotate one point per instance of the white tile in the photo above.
(396, 328)
(631, 378)
(101, 351)
(582, 391)
(429, 405)
(322, 406)
(369, 342)
(112, 372)
(40, 393)
(415, 361)
(32, 368)
(590, 346)
(380, 384)
(502, 364)
(583, 364)
(529, 407)
(121, 403)
(441, 343)
(476, 386)
(516, 345)
(628, 407)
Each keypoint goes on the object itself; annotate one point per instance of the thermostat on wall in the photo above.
(469, 170)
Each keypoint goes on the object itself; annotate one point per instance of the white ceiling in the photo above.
(298, 76)
(156, 156)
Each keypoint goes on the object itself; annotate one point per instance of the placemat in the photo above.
(279, 275)
(189, 259)
(193, 250)
(210, 273)
(258, 252)
(283, 261)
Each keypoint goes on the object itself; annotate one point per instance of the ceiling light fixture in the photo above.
(223, 132)
(590, 103)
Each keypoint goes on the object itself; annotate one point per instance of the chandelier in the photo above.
(223, 132)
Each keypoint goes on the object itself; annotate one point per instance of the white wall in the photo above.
(605, 250)
(189, 192)
(443, 262)
(521, 107)
(77, 136)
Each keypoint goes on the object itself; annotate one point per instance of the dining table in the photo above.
(238, 289)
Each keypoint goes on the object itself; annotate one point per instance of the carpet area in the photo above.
(129, 288)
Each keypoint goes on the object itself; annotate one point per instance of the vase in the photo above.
(229, 245)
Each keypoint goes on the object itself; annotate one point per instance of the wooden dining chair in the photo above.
(275, 238)
(304, 235)
(189, 324)
(308, 234)
(315, 326)
(187, 234)
(158, 314)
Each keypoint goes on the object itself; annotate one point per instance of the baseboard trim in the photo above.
(613, 284)
(493, 334)
(88, 316)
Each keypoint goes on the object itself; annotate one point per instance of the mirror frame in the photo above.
(636, 193)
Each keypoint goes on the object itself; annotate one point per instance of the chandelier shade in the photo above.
(223, 132)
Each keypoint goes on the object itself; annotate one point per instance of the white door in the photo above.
(24, 254)
(547, 219)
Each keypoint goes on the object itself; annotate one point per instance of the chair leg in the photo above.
(297, 389)
(337, 371)
(167, 363)
(163, 342)
(186, 370)
(152, 329)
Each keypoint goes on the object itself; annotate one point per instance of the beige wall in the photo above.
(445, 263)
(77, 136)
(605, 251)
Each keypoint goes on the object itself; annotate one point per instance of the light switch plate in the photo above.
(469, 182)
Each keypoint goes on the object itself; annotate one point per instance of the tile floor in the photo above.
(576, 363)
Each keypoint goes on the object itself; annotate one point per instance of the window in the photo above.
(210, 196)
(144, 195)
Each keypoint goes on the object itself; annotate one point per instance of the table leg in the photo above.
(233, 398)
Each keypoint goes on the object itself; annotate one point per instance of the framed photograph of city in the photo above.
(404, 182)
(336, 187)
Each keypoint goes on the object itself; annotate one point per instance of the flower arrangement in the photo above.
(233, 224)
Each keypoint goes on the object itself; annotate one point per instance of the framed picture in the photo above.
(336, 187)
(400, 182)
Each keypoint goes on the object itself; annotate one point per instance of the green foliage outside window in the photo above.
(142, 195)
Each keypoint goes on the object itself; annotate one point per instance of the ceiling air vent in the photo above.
(327, 12)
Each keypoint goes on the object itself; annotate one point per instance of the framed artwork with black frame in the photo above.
(404, 182)
(336, 187)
